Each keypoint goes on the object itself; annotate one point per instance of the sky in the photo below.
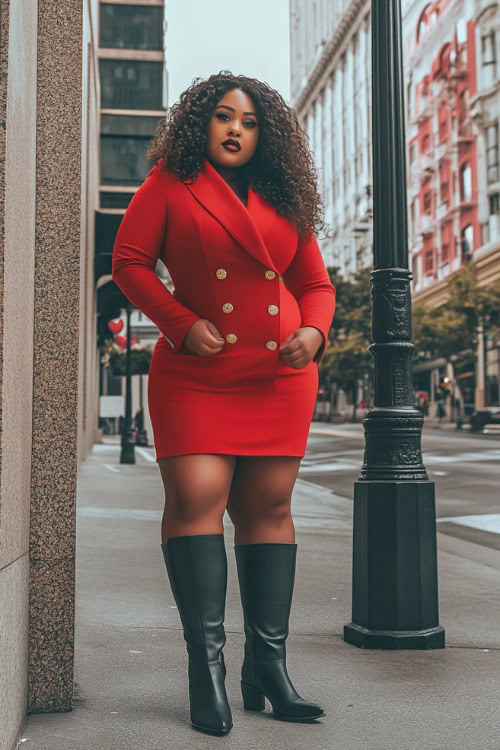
(206, 36)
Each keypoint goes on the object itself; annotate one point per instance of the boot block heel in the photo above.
(253, 699)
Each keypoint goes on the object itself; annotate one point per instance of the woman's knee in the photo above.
(275, 510)
(261, 489)
(196, 486)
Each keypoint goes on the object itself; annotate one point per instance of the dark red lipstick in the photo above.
(231, 145)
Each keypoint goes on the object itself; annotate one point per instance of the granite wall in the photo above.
(40, 250)
(56, 355)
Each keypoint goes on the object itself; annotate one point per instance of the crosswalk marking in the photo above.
(485, 522)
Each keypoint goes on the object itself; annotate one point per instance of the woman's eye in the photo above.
(221, 115)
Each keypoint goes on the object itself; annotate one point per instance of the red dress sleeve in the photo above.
(136, 250)
(307, 279)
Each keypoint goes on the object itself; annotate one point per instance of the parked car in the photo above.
(481, 418)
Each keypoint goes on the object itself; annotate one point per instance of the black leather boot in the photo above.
(197, 570)
(266, 574)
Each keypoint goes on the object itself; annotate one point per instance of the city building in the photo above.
(330, 49)
(133, 82)
(452, 121)
(453, 171)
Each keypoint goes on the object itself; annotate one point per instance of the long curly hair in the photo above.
(282, 168)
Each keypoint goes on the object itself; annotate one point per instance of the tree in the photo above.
(347, 358)
(450, 330)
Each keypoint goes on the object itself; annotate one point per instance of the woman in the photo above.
(229, 208)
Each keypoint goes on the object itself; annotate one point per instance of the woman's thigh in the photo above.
(262, 485)
(196, 485)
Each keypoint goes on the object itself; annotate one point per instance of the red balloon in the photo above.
(134, 341)
(115, 325)
(121, 341)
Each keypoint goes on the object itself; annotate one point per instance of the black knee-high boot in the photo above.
(266, 574)
(197, 570)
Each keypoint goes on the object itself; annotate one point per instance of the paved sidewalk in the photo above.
(131, 662)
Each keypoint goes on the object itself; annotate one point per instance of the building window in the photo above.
(124, 140)
(465, 182)
(410, 99)
(445, 192)
(428, 262)
(423, 22)
(428, 202)
(115, 200)
(488, 58)
(467, 237)
(445, 252)
(414, 266)
(426, 142)
(131, 84)
(492, 153)
(494, 201)
(443, 128)
(412, 155)
(461, 109)
(131, 26)
(461, 31)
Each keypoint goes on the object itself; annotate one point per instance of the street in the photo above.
(130, 658)
(464, 468)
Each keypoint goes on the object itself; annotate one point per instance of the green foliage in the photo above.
(443, 331)
(139, 361)
(347, 357)
(451, 328)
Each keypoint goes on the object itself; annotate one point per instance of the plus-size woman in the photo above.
(229, 208)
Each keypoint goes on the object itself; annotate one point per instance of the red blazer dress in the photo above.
(243, 269)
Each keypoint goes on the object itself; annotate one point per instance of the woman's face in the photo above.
(234, 117)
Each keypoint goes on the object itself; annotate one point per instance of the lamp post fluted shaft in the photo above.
(128, 444)
(394, 576)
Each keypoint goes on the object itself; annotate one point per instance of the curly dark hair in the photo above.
(282, 168)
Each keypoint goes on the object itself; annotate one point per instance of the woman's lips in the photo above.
(230, 147)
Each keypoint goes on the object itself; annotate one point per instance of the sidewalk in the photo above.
(131, 661)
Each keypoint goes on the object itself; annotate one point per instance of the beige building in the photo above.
(51, 189)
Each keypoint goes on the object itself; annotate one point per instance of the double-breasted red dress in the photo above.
(243, 269)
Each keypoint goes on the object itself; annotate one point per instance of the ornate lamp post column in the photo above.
(395, 590)
(127, 443)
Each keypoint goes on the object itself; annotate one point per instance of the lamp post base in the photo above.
(356, 635)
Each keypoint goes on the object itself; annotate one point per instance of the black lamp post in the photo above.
(127, 443)
(394, 576)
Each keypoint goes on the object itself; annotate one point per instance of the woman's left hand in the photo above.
(299, 348)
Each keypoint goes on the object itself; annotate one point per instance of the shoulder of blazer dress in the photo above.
(169, 177)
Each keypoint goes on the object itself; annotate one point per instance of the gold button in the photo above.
(169, 341)
(227, 307)
(221, 273)
(271, 344)
(269, 274)
(272, 309)
(231, 338)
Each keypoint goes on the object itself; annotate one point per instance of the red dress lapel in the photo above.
(250, 225)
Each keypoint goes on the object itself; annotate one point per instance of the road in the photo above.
(465, 469)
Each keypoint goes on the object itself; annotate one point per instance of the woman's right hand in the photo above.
(204, 338)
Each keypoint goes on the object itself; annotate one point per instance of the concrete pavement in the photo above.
(131, 661)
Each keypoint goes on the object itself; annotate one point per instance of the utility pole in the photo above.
(394, 576)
